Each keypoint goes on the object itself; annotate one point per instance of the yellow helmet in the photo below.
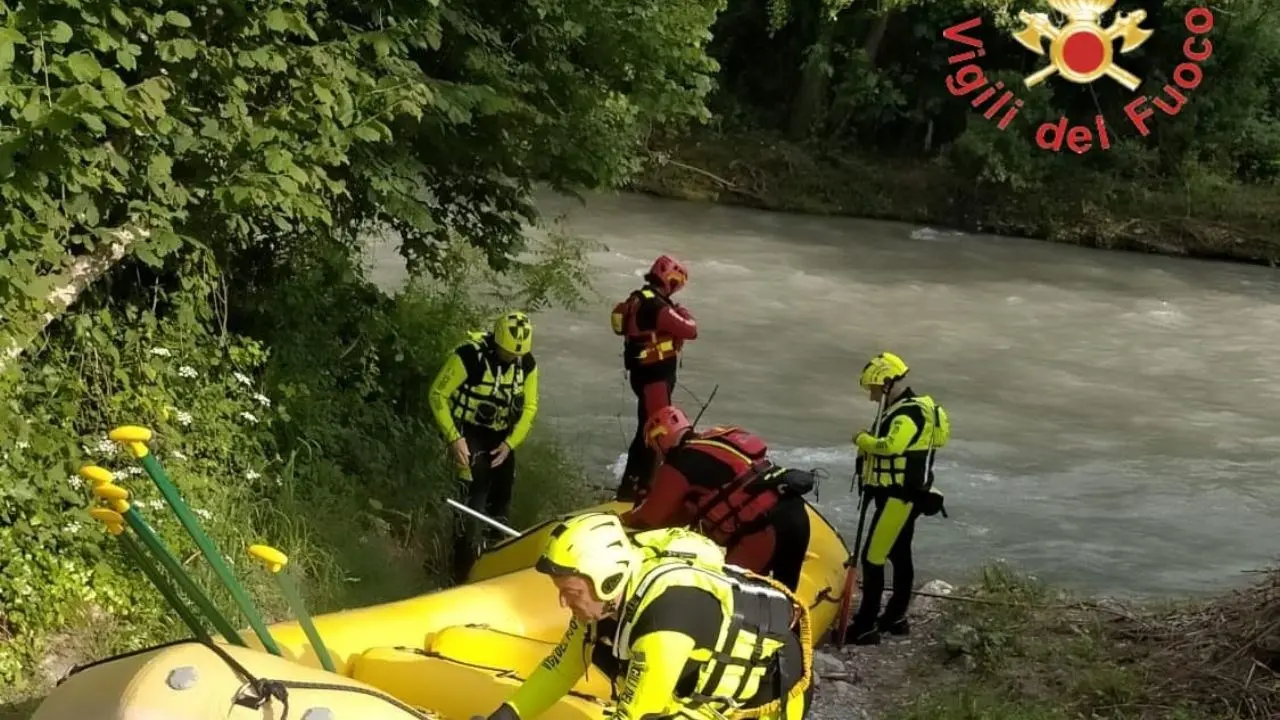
(883, 368)
(513, 332)
(594, 546)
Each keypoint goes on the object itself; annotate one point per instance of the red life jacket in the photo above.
(644, 346)
(740, 505)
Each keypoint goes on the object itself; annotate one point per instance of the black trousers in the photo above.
(791, 527)
(488, 491)
(653, 387)
(904, 573)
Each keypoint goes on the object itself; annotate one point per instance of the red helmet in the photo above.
(668, 274)
(665, 427)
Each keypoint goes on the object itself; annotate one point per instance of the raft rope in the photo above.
(260, 690)
(263, 690)
(805, 633)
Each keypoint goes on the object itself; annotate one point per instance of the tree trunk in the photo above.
(815, 77)
(82, 273)
(875, 37)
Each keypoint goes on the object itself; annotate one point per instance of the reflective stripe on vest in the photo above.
(493, 400)
(646, 347)
(909, 469)
(727, 513)
(755, 624)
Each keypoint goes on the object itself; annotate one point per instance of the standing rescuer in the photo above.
(680, 634)
(721, 482)
(484, 400)
(654, 329)
(898, 478)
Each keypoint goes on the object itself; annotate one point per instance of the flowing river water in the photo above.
(1114, 415)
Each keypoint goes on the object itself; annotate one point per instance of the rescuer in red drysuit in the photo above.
(654, 330)
(722, 483)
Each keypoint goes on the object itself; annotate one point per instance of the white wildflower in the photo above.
(244, 379)
(249, 417)
(187, 371)
(204, 514)
(73, 527)
(154, 504)
(132, 471)
(105, 446)
(178, 455)
(76, 482)
(279, 481)
(251, 475)
(183, 417)
(161, 352)
(22, 444)
(266, 401)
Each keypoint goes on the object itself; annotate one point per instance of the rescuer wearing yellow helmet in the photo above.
(897, 476)
(484, 400)
(680, 633)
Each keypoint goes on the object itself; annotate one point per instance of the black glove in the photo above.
(504, 712)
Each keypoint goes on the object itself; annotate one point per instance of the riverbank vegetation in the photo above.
(838, 107)
(185, 194)
(1014, 649)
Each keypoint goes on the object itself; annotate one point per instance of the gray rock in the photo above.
(938, 587)
(927, 605)
(826, 664)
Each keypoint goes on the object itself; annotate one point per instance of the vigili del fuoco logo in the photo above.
(1081, 51)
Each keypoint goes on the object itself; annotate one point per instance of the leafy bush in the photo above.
(164, 367)
(322, 446)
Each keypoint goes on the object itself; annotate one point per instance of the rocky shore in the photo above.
(864, 683)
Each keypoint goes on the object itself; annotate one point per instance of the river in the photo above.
(1114, 415)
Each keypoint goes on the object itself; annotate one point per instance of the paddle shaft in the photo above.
(171, 564)
(294, 598)
(139, 558)
(512, 532)
(851, 575)
(188, 519)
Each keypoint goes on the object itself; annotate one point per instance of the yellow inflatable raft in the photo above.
(452, 654)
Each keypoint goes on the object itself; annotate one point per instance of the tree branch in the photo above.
(83, 272)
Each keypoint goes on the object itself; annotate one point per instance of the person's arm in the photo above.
(902, 429)
(677, 325)
(663, 638)
(663, 503)
(657, 661)
(524, 424)
(551, 680)
(449, 379)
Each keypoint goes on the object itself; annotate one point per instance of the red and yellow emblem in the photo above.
(1082, 50)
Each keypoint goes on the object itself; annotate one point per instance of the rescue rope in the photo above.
(263, 690)
(797, 691)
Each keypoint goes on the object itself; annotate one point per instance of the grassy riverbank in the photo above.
(1204, 218)
(1013, 649)
(293, 414)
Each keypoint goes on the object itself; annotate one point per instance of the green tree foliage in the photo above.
(250, 128)
(318, 440)
(200, 179)
(881, 88)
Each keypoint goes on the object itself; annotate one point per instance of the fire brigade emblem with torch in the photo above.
(1081, 51)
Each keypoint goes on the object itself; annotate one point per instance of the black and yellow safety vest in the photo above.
(756, 619)
(909, 470)
(493, 394)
